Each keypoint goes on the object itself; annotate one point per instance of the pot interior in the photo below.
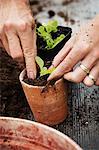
(19, 134)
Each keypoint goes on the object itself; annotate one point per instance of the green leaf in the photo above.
(58, 40)
(40, 62)
(41, 30)
(53, 23)
(51, 26)
(45, 32)
(43, 71)
(48, 29)
(50, 43)
(51, 70)
(46, 71)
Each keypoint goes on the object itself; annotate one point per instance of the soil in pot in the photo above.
(51, 53)
(40, 80)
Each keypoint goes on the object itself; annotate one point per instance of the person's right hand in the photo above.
(82, 48)
(16, 34)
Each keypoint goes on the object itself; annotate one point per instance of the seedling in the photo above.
(45, 32)
(43, 70)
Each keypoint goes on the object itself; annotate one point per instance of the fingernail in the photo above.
(30, 75)
(50, 77)
(51, 66)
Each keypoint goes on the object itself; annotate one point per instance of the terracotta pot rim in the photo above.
(65, 137)
(41, 87)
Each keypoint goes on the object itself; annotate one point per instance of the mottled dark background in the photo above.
(82, 124)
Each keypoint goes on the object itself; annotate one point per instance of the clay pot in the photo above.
(48, 106)
(20, 134)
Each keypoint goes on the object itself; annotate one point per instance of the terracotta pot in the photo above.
(20, 134)
(50, 106)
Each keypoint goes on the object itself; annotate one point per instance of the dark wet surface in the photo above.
(82, 124)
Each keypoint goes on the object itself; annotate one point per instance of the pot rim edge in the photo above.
(65, 137)
(28, 85)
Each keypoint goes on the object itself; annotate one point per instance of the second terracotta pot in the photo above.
(48, 106)
(20, 134)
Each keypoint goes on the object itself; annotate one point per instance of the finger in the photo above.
(78, 74)
(63, 53)
(75, 55)
(3, 40)
(5, 43)
(95, 73)
(29, 48)
(97, 82)
(30, 20)
(14, 43)
(1, 45)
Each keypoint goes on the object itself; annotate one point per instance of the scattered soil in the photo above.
(51, 13)
(61, 14)
(72, 21)
(13, 102)
(66, 17)
(34, 2)
(66, 2)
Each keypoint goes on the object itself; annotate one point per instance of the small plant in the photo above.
(45, 32)
(43, 70)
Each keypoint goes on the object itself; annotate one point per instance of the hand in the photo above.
(16, 34)
(83, 47)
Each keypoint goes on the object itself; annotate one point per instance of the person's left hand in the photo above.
(83, 47)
